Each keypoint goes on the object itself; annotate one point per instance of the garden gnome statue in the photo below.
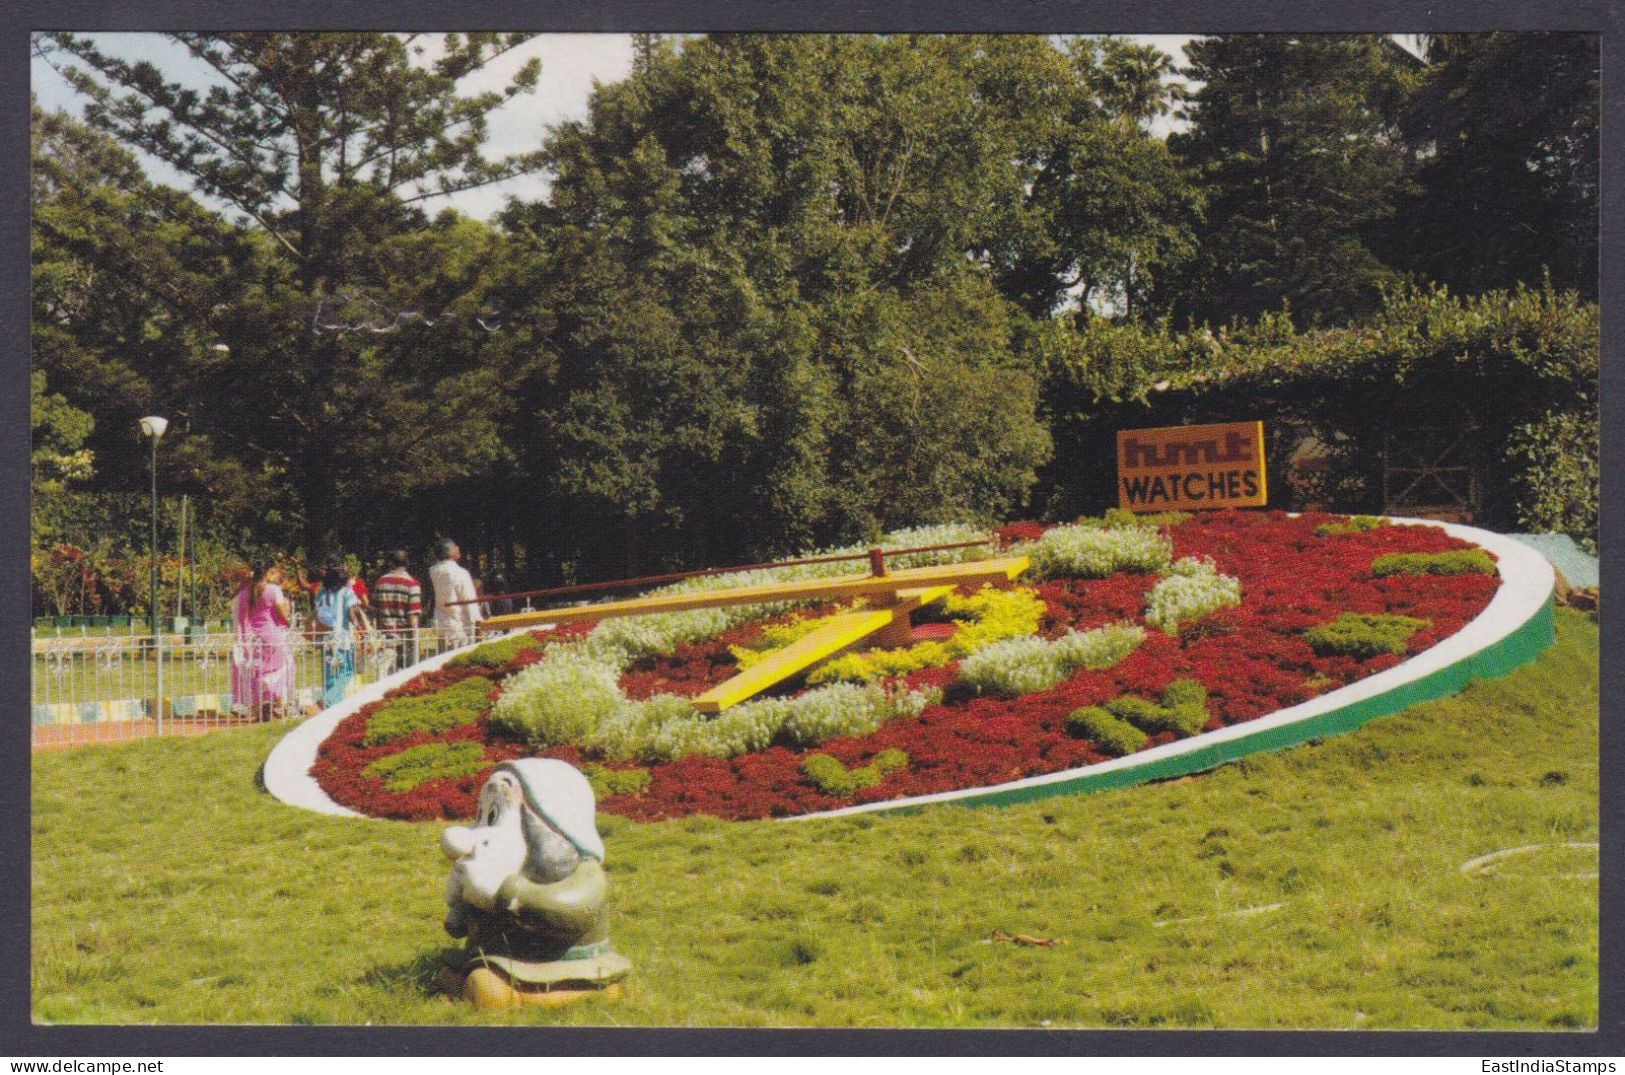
(527, 890)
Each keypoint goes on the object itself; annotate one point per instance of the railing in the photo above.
(99, 686)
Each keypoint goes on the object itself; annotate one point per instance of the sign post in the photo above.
(1189, 468)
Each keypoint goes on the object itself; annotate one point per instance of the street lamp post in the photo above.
(154, 426)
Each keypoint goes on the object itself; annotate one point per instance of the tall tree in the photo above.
(1296, 144)
(328, 142)
(1506, 126)
(763, 297)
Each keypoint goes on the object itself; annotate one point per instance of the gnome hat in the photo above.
(561, 795)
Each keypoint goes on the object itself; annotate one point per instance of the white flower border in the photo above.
(1527, 581)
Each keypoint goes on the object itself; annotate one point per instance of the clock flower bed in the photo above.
(1124, 635)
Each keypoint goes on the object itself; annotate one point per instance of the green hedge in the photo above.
(1525, 362)
(833, 778)
(1454, 562)
(1353, 634)
(461, 703)
(429, 761)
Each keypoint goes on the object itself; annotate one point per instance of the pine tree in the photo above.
(1295, 142)
(328, 142)
(1507, 130)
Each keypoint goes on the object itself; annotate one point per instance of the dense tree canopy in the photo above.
(1296, 141)
(783, 289)
(1505, 127)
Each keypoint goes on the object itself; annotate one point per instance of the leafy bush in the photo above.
(1111, 734)
(1123, 519)
(833, 778)
(1557, 461)
(844, 709)
(1193, 589)
(1017, 666)
(560, 698)
(985, 617)
(1353, 634)
(1183, 709)
(1534, 351)
(632, 727)
(666, 727)
(606, 782)
(461, 703)
(1454, 562)
(430, 761)
(1095, 553)
(496, 654)
(1354, 524)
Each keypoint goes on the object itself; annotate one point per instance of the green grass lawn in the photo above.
(167, 887)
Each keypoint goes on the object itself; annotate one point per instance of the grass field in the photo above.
(1319, 887)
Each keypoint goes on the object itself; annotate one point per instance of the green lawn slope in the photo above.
(1319, 887)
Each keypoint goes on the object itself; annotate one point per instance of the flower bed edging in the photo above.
(286, 772)
(1515, 628)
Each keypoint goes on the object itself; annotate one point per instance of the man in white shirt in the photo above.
(452, 582)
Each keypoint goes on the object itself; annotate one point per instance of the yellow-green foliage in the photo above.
(1354, 524)
(1183, 709)
(1360, 636)
(461, 703)
(1454, 562)
(606, 782)
(833, 778)
(984, 617)
(775, 636)
(429, 761)
(496, 654)
(1113, 735)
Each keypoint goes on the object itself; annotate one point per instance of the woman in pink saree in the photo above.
(262, 656)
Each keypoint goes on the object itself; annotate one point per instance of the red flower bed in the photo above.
(1253, 660)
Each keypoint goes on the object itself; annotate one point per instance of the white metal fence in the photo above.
(90, 687)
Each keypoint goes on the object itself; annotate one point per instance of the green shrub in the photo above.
(1017, 666)
(1111, 734)
(1192, 589)
(459, 704)
(845, 709)
(429, 761)
(1354, 524)
(560, 698)
(833, 778)
(1355, 635)
(666, 727)
(1123, 519)
(606, 782)
(1454, 562)
(1183, 709)
(1095, 553)
(632, 727)
(496, 654)
(1557, 460)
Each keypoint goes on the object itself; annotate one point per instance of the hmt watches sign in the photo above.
(1191, 467)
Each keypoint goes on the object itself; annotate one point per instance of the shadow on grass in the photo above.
(420, 976)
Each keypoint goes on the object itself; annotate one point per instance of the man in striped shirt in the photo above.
(397, 604)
